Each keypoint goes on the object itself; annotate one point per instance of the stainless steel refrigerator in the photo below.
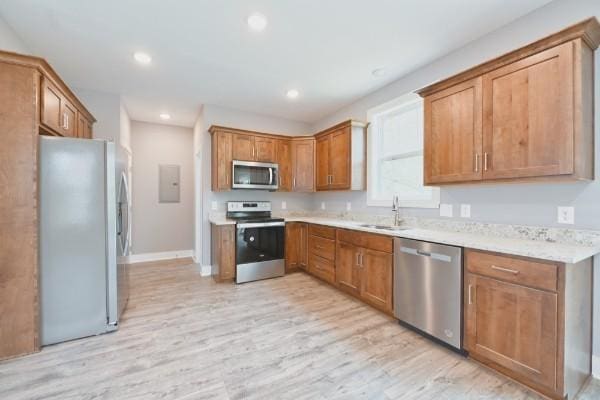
(80, 289)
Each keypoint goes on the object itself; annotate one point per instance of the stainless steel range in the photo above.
(260, 241)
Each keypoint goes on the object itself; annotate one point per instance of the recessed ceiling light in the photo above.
(257, 22)
(378, 72)
(142, 58)
(292, 94)
(165, 116)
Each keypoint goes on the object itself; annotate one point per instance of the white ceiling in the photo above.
(203, 51)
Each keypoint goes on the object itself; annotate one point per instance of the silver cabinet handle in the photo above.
(485, 161)
(470, 295)
(476, 162)
(361, 259)
(294, 183)
(358, 259)
(501, 269)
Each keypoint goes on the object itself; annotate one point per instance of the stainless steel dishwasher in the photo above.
(428, 289)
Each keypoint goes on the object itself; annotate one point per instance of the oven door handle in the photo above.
(260, 225)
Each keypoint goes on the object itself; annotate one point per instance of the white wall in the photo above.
(532, 204)
(161, 227)
(9, 40)
(215, 115)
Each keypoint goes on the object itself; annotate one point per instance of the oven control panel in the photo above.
(248, 206)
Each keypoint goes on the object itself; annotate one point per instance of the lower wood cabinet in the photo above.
(530, 319)
(365, 272)
(296, 237)
(358, 263)
(223, 252)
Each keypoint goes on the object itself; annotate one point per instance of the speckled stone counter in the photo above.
(554, 244)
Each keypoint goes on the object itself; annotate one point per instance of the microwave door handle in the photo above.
(270, 175)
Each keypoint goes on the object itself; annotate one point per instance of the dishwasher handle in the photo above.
(421, 253)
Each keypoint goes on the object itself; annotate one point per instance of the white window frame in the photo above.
(373, 137)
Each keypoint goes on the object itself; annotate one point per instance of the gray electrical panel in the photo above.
(168, 183)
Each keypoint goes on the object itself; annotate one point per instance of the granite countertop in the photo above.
(569, 253)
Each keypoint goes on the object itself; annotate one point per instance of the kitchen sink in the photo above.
(386, 227)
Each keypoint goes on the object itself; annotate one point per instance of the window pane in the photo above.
(401, 132)
(403, 177)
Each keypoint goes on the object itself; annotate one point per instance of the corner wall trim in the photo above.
(166, 255)
(596, 366)
(206, 270)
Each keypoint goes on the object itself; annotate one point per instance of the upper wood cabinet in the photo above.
(254, 148)
(453, 143)
(303, 165)
(243, 147)
(294, 155)
(284, 160)
(221, 157)
(59, 115)
(527, 115)
(340, 157)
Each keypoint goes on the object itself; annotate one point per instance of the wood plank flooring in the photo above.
(185, 337)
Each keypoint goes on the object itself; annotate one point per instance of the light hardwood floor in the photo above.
(184, 337)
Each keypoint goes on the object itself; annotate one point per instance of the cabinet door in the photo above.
(303, 160)
(84, 127)
(347, 269)
(51, 106)
(528, 116)
(264, 149)
(376, 279)
(322, 153)
(227, 243)
(453, 136)
(69, 114)
(303, 246)
(292, 246)
(339, 153)
(284, 159)
(243, 147)
(221, 161)
(513, 326)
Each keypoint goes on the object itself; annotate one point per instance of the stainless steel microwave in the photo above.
(254, 175)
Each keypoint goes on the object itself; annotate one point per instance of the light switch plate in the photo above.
(465, 211)
(348, 206)
(322, 205)
(446, 210)
(283, 205)
(566, 215)
(214, 206)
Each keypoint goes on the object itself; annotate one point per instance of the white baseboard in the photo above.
(205, 270)
(596, 366)
(166, 255)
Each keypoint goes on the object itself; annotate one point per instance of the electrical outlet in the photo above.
(214, 206)
(465, 211)
(283, 205)
(446, 210)
(322, 205)
(566, 215)
(348, 206)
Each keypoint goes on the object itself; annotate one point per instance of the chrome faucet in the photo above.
(396, 210)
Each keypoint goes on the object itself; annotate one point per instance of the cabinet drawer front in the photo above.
(322, 247)
(533, 273)
(323, 231)
(321, 268)
(367, 240)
